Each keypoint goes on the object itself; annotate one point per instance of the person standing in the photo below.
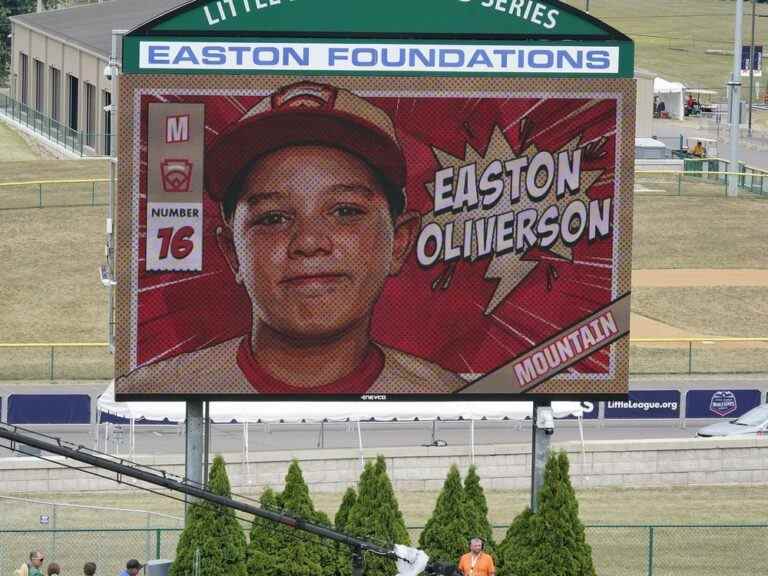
(53, 569)
(132, 568)
(89, 569)
(476, 562)
(34, 566)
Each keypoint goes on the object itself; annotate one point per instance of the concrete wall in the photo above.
(628, 464)
(644, 105)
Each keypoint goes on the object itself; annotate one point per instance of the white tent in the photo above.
(316, 412)
(272, 412)
(672, 94)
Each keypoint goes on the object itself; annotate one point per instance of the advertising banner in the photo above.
(720, 403)
(645, 404)
(757, 61)
(375, 236)
(339, 210)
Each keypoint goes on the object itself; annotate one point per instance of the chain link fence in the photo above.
(700, 177)
(53, 194)
(56, 361)
(58, 532)
(674, 550)
(714, 355)
(93, 361)
(701, 181)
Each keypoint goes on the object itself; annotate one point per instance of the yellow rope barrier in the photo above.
(53, 344)
(39, 182)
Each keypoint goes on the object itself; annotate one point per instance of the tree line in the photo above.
(550, 542)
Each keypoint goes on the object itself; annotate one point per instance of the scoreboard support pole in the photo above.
(194, 445)
(542, 430)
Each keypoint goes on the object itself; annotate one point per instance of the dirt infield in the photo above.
(643, 327)
(660, 323)
(703, 278)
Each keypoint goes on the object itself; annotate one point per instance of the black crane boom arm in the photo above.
(159, 478)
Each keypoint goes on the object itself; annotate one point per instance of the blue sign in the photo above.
(645, 404)
(49, 409)
(720, 403)
(757, 59)
(376, 57)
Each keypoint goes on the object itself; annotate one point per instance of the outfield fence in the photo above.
(617, 550)
(707, 355)
(700, 177)
(752, 183)
(56, 361)
(53, 193)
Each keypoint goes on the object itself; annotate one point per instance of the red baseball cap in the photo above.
(307, 113)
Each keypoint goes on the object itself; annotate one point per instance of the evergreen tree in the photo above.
(513, 552)
(376, 514)
(340, 521)
(344, 557)
(277, 550)
(265, 540)
(551, 542)
(214, 531)
(477, 511)
(446, 535)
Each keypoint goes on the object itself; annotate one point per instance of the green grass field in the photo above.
(51, 290)
(678, 505)
(13, 147)
(53, 254)
(26, 170)
(619, 551)
(671, 38)
(699, 232)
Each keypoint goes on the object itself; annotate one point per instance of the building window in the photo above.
(107, 98)
(73, 101)
(90, 115)
(55, 93)
(23, 77)
(39, 86)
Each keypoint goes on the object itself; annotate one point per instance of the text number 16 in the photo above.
(178, 243)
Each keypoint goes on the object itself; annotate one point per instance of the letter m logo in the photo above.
(177, 129)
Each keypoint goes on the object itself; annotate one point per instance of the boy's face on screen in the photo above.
(313, 241)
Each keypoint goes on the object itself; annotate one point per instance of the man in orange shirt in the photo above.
(476, 562)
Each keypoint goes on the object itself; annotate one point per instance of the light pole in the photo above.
(734, 100)
(751, 67)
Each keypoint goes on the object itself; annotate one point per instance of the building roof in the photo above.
(90, 26)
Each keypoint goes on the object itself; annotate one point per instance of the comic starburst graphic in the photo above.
(509, 269)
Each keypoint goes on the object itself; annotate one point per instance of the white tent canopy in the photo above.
(272, 412)
(316, 412)
(672, 94)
